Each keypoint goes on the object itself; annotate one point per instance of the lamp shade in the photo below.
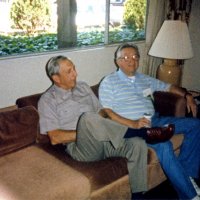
(172, 41)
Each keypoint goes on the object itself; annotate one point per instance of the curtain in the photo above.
(155, 16)
(179, 10)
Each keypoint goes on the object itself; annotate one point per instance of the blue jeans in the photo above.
(178, 169)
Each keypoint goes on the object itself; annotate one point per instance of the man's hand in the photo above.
(61, 136)
(191, 105)
(143, 122)
(103, 113)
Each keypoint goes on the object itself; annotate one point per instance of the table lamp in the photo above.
(171, 43)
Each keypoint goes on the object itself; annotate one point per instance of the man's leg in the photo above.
(190, 149)
(99, 138)
(174, 170)
(189, 155)
(135, 150)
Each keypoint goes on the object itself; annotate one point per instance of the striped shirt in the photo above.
(130, 97)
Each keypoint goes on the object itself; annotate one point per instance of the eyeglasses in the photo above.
(127, 58)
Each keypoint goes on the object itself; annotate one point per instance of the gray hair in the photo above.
(123, 46)
(53, 66)
(118, 51)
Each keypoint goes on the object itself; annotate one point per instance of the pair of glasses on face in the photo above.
(128, 58)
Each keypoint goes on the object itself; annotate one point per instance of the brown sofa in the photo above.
(31, 168)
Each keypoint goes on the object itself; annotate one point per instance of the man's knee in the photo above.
(193, 127)
(196, 123)
(88, 117)
(89, 121)
(84, 119)
(192, 122)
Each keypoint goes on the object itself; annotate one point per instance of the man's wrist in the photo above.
(187, 94)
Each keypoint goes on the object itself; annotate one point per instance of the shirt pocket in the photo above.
(85, 104)
(68, 112)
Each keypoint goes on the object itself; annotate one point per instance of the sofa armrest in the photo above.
(18, 129)
(168, 104)
(32, 100)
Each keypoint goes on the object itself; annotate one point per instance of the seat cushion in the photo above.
(32, 173)
(99, 173)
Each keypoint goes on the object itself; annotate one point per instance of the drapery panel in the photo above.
(179, 10)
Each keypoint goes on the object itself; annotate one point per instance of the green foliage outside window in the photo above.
(11, 45)
(33, 17)
(135, 13)
(30, 15)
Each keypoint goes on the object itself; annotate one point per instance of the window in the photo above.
(69, 23)
(4, 1)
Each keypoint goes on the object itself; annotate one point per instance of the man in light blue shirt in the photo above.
(120, 91)
(126, 96)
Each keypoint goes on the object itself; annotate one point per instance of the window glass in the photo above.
(127, 20)
(90, 21)
(95, 22)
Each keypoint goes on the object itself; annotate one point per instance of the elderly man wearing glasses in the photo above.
(126, 97)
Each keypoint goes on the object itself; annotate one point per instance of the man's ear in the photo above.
(56, 78)
(117, 63)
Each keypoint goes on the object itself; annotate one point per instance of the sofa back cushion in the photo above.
(18, 128)
(32, 100)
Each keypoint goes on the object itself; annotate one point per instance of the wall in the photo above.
(191, 70)
(26, 75)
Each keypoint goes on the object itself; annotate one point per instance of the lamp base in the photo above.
(169, 71)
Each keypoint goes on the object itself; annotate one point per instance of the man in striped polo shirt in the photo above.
(126, 96)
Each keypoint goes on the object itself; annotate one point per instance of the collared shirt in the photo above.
(61, 109)
(130, 97)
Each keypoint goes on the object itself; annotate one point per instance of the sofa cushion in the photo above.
(109, 169)
(18, 128)
(33, 174)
